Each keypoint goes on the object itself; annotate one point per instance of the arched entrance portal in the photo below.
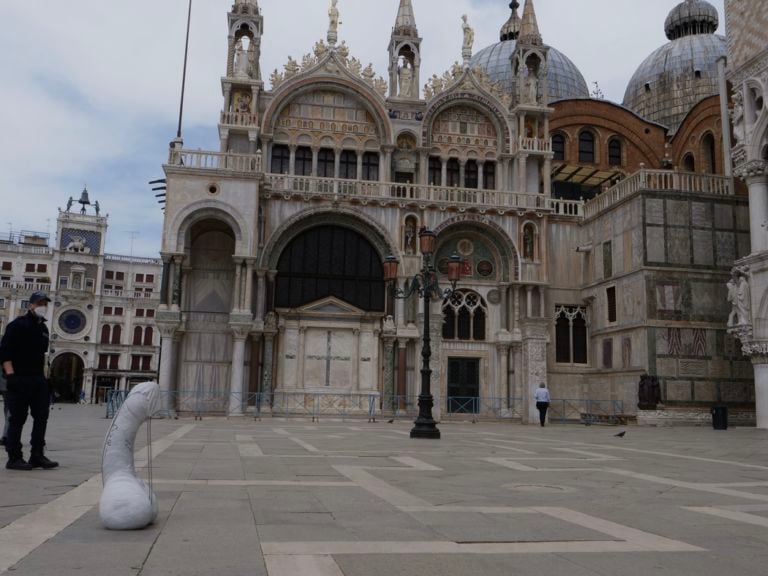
(208, 295)
(330, 298)
(67, 377)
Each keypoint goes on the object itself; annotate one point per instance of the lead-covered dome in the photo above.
(564, 79)
(682, 73)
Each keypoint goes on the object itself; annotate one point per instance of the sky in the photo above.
(89, 89)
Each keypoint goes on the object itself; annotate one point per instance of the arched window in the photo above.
(710, 153)
(348, 165)
(106, 334)
(558, 147)
(371, 166)
(489, 175)
(326, 163)
(571, 335)
(689, 164)
(148, 336)
(281, 159)
(471, 175)
(303, 165)
(454, 173)
(587, 147)
(117, 333)
(529, 242)
(435, 171)
(330, 261)
(464, 317)
(614, 152)
(137, 334)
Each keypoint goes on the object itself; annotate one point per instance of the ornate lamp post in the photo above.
(426, 284)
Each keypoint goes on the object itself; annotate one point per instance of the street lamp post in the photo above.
(426, 284)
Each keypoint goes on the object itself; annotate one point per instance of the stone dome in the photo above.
(682, 73)
(691, 17)
(565, 80)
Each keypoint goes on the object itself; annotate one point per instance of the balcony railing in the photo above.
(534, 144)
(364, 191)
(201, 160)
(662, 181)
(25, 286)
(243, 119)
(133, 259)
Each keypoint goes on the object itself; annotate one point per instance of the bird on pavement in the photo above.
(621, 434)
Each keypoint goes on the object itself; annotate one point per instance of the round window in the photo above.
(72, 321)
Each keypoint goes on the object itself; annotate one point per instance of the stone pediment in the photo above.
(330, 307)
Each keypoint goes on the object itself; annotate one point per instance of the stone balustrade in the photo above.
(25, 286)
(239, 119)
(220, 161)
(389, 192)
(660, 181)
(534, 144)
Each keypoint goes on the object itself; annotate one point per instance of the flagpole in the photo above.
(184, 76)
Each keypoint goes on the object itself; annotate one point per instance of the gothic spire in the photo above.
(511, 30)
(529, 30)
(405, 25)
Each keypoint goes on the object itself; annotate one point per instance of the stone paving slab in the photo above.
(286, 497)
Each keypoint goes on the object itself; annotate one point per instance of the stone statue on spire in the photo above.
(333, 25)
(469, 39)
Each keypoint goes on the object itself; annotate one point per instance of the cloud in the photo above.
(90, 88)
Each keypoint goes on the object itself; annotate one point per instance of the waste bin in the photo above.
(720, 418)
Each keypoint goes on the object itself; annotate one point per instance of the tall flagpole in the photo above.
(184, 76)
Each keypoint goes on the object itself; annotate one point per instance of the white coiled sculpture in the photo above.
(127, 502)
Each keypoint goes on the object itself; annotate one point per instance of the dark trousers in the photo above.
(542, 407)
(27, 396)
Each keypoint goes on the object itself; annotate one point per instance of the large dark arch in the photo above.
(67, 377)
(330, 260)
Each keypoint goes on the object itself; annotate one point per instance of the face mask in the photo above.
(41, 312)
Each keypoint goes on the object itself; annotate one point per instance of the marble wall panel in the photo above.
(724, 216)
(679, 246)
(736, 391)
(678, 213)
(703, 248)
(701, 214)
(705, 391)
(743, 246)
(655, 244)
(654, 211)
(667, 367)
(678, 391)
(725, 248)
(742, 218)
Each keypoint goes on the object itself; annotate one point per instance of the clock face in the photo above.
(72, 321)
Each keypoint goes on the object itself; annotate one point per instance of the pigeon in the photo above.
(391, 421)
(621, 434)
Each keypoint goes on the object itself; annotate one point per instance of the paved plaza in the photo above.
(286, 497)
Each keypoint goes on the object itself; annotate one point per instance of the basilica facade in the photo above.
(595, 239)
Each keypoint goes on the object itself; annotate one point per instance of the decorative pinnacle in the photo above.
(511, 30)
(529, 31)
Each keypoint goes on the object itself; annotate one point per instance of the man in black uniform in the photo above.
(22, 355)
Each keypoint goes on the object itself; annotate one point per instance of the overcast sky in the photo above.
(89, 89)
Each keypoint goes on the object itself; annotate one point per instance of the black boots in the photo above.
(38, 460)
(18, 464)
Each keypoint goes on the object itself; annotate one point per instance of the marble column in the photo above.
(237, 383)
(302, 355)
(356, 357)
(522, 173)
(756, 177)
(389, 375)
(249, 266)
(402, 372)
(261, 294)
(178, 259)
(315, 160)
(400, 304)
(529, 302)
(292, 160)
(760, 364)
(337, 163)
(504, 306)
(443, 172)
(462, 174)
(503, 378)
(360, 164)
(268, 367)
(547, 177)
(481, 175)
(165, 371)
(236, 298)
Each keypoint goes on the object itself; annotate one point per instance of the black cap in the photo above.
(39, 297)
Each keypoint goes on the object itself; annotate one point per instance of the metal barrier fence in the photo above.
(373, 406)
(586, 411)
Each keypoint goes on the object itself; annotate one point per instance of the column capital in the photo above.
(271, 275)
(241, 331)
(754, 170)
